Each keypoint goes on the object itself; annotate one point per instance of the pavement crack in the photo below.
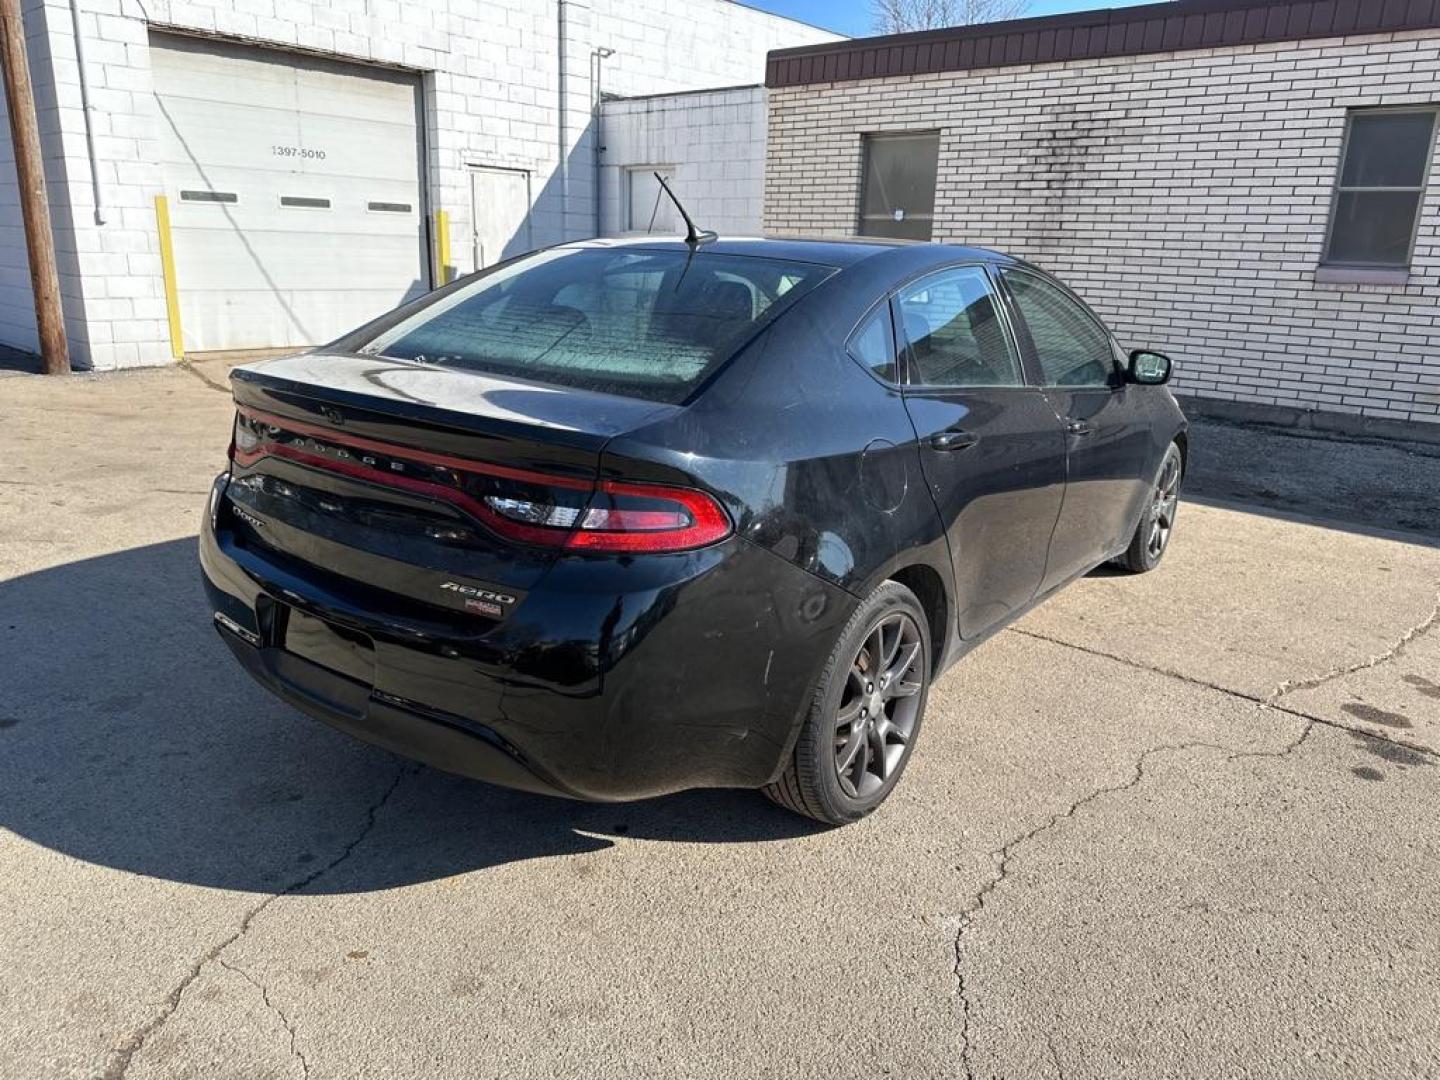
(1003, 856)
(295, 1050)
(124, 1054)
(1138, 665)
(1415, 632)
(1269, 702)
(1055, 1057)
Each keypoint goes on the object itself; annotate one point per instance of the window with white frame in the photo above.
(1383, 172)
(649, 209)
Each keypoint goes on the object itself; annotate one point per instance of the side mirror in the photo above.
(1149, 368)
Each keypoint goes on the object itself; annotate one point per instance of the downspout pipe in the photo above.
(562, 56)
(89, 111)
(597, 143)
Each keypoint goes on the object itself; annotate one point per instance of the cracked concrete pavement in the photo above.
(1174, 826)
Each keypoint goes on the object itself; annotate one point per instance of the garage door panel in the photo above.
(203, 77)
(353, 97)
(198, 135)
(345, 217)
(271, 320)
(227, 261)
(348, 219)
(261, 127)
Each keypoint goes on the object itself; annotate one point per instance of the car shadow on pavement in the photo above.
(130, 738)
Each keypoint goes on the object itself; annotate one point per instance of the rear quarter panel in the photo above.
(813, 457)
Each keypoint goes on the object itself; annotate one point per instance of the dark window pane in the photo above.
(954, 332)
(1072, 348)
(209, 196)
(305, 201)
(1387, 149)
(898, 195)
(1374, 227)
(649, 324)
(874, 345)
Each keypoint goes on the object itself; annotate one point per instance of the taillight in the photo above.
(521, 505)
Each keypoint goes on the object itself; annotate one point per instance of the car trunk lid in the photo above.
(386, 472)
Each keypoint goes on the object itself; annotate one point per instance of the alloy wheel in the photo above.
(880, 706)
(1163, 506)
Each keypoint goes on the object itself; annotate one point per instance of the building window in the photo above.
(1383, 171)
(897, 197)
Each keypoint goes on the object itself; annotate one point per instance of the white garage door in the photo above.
(294, 190)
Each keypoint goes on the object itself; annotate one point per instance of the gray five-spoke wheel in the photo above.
(1162, 506)
(879, 706)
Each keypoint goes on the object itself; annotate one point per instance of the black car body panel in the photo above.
(589, 687)
(347, 587)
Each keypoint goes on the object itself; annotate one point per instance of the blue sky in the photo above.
(853, 16)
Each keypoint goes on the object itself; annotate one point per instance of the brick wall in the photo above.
(492, 97)
(715, 142)
(1185, 195)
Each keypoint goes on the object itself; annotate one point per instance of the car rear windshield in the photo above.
(638, 322)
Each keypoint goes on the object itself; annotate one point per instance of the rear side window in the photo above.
(874, 345)
(1073, 349)
(646, 324)
(952, 326)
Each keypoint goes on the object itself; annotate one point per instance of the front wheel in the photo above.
(1157, 523)
(865, 714)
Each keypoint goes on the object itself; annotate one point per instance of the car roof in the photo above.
(838, 252)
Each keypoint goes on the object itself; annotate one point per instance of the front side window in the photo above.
(1073, 349)
(897, 197)
(952, 327)
(1382, 183)
(647, 324)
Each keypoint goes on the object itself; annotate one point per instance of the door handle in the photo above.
(1079, 427)
(953, 440)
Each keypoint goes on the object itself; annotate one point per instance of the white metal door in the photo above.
(651, 210)
(499, 214)
(294, 189)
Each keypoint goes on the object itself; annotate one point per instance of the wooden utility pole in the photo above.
(30, 170)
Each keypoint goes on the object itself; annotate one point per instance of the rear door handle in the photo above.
(953, 440)
(1079, 427)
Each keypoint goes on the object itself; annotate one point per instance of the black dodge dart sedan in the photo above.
(616, 519)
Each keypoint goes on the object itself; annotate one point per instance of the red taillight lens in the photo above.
(528, 507)
(648, 517)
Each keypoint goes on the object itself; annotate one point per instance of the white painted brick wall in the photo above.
(715, 140)
(492, 97)
(17, 306)
(1185, 195)
(51, 76)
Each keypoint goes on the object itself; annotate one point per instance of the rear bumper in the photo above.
(613, 679)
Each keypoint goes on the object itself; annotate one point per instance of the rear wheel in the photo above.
(1157, 523)
(865, 714)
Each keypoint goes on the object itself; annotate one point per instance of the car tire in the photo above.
(1157, 521)
(846, 761)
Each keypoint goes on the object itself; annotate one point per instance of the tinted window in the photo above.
(898, 198)
(953, 329)
(642, 323)
(1382, 183)
(1073, 349)
(874, 345)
